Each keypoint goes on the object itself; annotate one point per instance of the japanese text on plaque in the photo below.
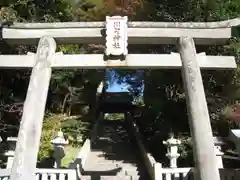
(116, 39)
(116, 34)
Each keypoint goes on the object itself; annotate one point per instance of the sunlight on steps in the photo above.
(113, 154)
(71, 153)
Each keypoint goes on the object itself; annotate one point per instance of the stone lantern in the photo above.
(172, 150)
(12, 141)
(59, 143)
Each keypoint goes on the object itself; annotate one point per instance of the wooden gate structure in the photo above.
(47, 35)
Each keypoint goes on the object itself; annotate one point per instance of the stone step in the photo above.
(130, 173)
(85, 177)
(135, 177)
(102, 167)
(105, 154)
(111, 171)
(118, 163)
(108, 167)
(124, 177)
(97, 160)
(134, 174)
(127, 165)
(112, 149)
(116, 178)
(107, 178)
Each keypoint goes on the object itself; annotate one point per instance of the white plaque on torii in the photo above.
(116, 35)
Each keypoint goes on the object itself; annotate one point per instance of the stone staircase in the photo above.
(114, 155)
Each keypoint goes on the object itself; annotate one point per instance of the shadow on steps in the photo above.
(112, 172)
(114, 147)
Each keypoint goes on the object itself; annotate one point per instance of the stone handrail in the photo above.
(148, 159)
(188, 173)
(157, 172)
(82, 156)
(45, 174)
(94, 131)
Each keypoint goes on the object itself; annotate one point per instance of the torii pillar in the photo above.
(25, 159)
(200, 126)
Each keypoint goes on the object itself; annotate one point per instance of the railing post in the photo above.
(201, 131)
(158, 171)
(218, 150)
(236, 175)
(11, 151)
(29, 134)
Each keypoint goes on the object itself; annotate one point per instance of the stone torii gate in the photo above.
(184, 34)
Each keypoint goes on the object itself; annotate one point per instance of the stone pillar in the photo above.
(59, 143)
(172, 150)
(199, 121)
(29, 134)
(12, 141)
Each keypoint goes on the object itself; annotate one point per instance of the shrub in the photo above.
(51, 124)
(76, 130)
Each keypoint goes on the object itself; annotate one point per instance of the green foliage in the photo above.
(164, 98)
(76, 131)
(71, 153)
(12, 97)
(186, 151)
(114, 116)
(51, 124)
(163, 91)
(31, 10)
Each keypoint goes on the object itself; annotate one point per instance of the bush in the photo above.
(186, 152)
(76, 130)
(51, 124)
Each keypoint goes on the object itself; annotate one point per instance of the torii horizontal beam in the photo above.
(135, 35)
(132, 61)
(138, 32)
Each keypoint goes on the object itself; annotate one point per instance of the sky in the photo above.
(115, 87)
